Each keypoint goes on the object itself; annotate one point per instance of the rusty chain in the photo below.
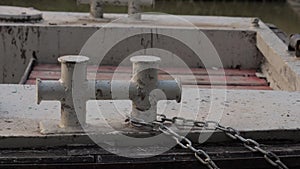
(201, 155)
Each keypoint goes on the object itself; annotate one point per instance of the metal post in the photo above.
(149, 89)
(134, 6)
(69, 90)
(73, 90)
(73, 78)
(134, 9)
(145, 78)
(96, 8)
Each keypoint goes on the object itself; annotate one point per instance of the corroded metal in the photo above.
(149, 89)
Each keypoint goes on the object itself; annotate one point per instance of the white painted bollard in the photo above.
(149, 89)
(69, 90)
(73, 90)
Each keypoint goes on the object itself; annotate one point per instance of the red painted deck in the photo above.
(235, 78)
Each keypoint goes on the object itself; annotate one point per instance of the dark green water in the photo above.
(279, 13)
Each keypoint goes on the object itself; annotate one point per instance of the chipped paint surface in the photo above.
(145, 80)
(275, 118)
(51, 39)
(69, 87)
(281, 67)
(243, 110)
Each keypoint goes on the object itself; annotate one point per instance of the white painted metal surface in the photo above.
(15, 14)
(73, 90)
(277, 118)
(70, 90)
(134, 6)
(281, 67)
(145, 79)
(233, 38)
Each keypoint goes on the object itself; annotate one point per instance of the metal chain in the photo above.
(182, 141)
(185, 143)
(254, 146)
(202, 156)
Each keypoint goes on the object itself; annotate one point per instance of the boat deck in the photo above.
(196, 77)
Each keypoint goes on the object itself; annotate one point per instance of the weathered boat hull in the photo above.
(269, 116)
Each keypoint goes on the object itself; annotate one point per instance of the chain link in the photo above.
(161, 125)
(182, 141)
(254, 146)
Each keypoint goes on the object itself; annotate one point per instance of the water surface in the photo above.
(279, 13)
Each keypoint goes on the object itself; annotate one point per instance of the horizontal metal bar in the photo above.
(110, 90)
(49, 90)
